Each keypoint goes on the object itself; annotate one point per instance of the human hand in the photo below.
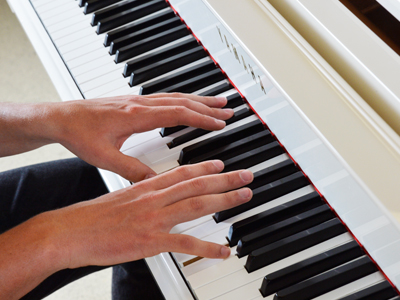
(135, 222)
(95, 129)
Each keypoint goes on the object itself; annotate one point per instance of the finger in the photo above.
(187, 244)
(128, 167)
(183, 173)
(205, 185)
(207, 100)
(169, 116)
(199, 107)
(196, 207)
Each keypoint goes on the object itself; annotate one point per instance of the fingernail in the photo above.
(220, 123)
(228, 111)
(218, 164)
(222, 99)
(244, 193)
(225, 251)
(148, 176)
(246, 175)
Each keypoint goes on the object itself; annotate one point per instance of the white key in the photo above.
(57, 15)
(211, 283)
(82, 46)
(76, 37)
(86, 58)
(72, 30)
(125, 90)
(106, 68)
(53, 5)
(119, 84)
(90, 65)
(249, 291)
(83, 49)
(67, 27)
(39, 3)
(102, 81)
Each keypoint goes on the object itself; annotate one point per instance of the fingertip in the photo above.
(225, 252)
(247, 176)
(148, 176)
(222, 101)
(219, 123)
(245, 193)
(218, 164)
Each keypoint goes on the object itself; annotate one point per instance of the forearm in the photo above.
(28, 255)
(24, 127)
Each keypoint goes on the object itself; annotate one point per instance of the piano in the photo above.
(317, 108)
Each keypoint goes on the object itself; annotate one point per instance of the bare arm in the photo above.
(122, 226)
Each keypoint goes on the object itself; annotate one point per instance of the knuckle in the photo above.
(198, 184)
(230, 179)
(187, 243)
(196, 204)
(134, 109)
(185, 172)
(176, 95)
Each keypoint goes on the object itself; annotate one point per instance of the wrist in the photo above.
(29, 254)
(25, 127)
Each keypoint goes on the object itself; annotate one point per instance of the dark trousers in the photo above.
(28, 191)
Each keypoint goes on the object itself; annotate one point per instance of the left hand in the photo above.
(96, 129)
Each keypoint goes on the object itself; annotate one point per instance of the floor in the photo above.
(23, 79)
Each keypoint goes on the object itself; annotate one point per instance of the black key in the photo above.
(179, 76)
(380, 291)
(167, 65)
(272, 216)
(310, 267)
(115, 9)
(273, 173)
(288, 246)
(92, 5)
(236, 148)
(154, 56)
(253, 157)
(215, 142)
(328, 281)
(196, 83)
(265, 194)
(283, 229)
(151, 43)
(217, 89)
(239, 115)
(232, 102)
(138, 25)
(145, 33)
(130, 15)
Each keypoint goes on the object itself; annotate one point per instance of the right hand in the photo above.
(135, 222)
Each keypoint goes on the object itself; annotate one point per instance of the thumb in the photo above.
(128, 167)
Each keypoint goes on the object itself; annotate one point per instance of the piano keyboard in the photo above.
(286, 242)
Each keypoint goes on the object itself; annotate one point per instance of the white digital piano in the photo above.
(315, 85)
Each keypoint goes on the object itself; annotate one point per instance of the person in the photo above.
(65, 224)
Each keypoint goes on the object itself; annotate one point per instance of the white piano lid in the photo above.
(392, 6)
